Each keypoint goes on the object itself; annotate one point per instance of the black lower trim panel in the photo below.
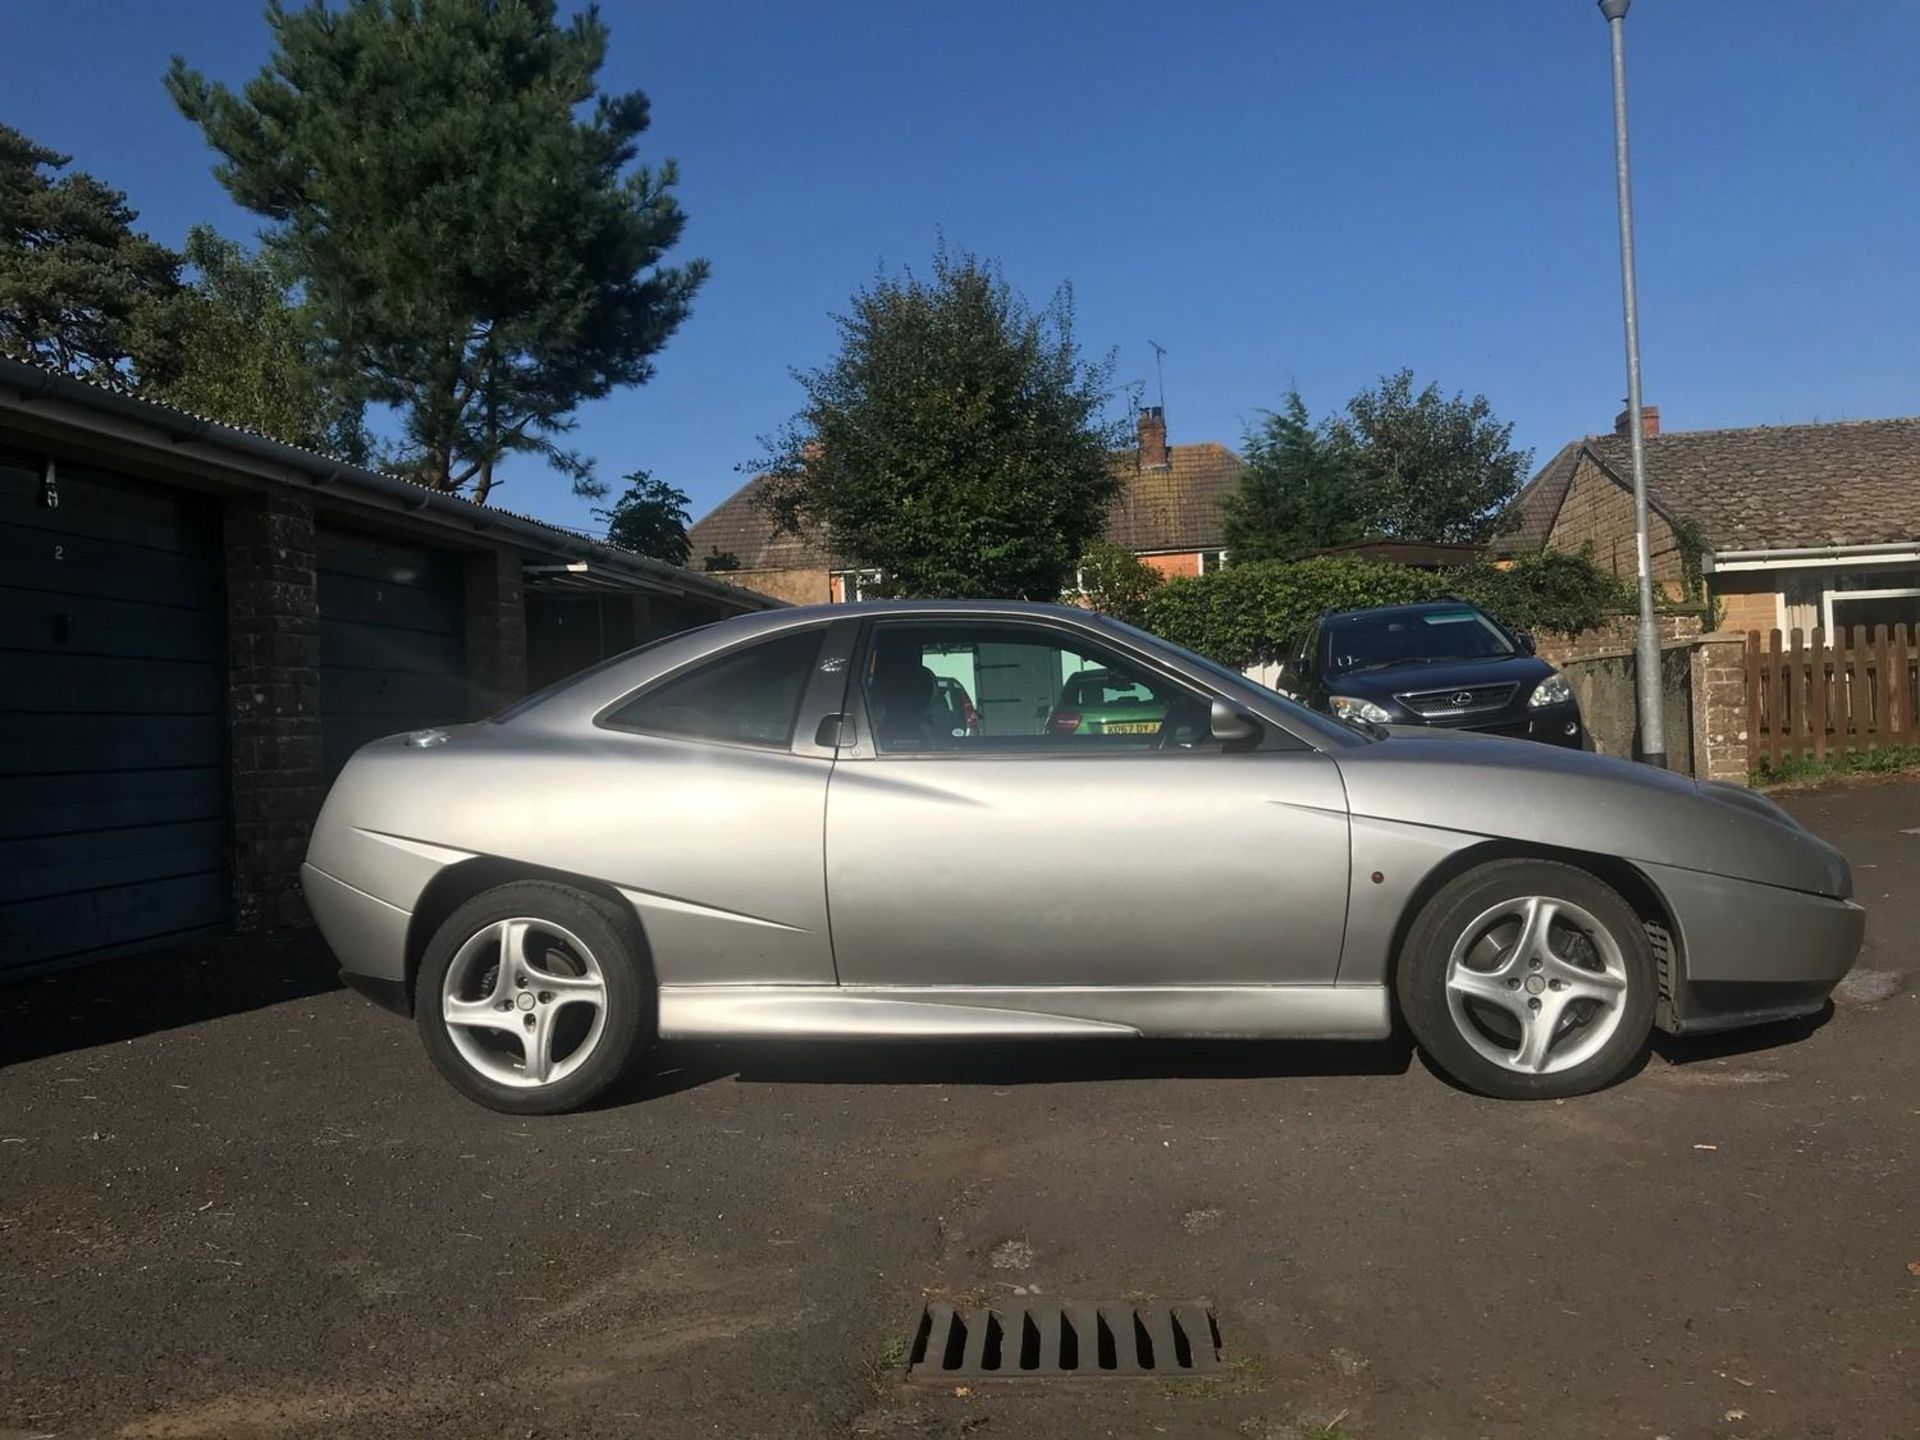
(387, 994)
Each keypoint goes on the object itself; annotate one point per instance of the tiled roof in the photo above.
(1530, 517)
(1175, 507)
(1764, 487)
(741, 526)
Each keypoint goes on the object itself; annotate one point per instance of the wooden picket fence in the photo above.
(1811, 698)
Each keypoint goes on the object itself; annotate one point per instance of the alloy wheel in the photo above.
(1536, 984)
(525, 1002)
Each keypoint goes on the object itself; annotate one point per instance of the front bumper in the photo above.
(1549, 725)
(1751, 953)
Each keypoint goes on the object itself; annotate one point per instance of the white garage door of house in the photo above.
(113, 734)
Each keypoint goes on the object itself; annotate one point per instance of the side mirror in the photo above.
(1526, 644)
(1232, 726)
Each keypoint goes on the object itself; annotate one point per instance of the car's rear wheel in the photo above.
(1529, 980)
(534, 997)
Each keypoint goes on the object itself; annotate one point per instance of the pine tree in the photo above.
(1301, 491)
(459, 202)
(79, 286)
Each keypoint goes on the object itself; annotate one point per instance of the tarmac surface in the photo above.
(236, 1202)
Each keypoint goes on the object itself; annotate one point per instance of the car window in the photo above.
(747, 697)
(1000, 687)
(1371, 640)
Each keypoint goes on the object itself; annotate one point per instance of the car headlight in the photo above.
(1551, 691)
(1349, 707)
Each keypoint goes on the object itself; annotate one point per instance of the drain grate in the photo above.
(1021, 1341)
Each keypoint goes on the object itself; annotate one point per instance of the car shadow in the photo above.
(684, 1066)
(1724, 1044)
(128, 996)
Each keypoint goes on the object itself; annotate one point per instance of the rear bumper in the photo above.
(367, 935)
(1750, 953)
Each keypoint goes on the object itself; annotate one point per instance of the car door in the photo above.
(1109, 841)
(717, 775)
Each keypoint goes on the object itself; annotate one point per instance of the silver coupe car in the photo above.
(776, 828)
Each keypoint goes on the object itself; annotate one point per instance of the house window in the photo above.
(1867, 598)
(1212, 560)
(854, 585)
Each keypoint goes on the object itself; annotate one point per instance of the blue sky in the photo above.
(1309, 193)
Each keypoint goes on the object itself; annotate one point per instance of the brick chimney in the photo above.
(1649, 421)
(1153, 439)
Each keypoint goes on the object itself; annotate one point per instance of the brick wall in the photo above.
(1747, 601)
(1185, 563)
(796, 587)
(496, 631)
(273, 702)
(1599, 513)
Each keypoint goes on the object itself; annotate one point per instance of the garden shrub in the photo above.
(1247, 613)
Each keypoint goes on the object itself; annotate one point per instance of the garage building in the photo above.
(199, 625)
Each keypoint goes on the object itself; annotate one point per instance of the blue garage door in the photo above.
(113, 734)
(392, 640)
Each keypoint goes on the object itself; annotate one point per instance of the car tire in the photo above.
(1528, 980)
(535, 968)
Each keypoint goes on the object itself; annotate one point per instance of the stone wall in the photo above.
(1703, 684)
(1616, 634)
(1720, 716)
(1605, 687)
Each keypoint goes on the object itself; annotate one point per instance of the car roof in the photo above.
(1417, 607)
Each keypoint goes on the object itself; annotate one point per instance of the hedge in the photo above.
(1246, 613)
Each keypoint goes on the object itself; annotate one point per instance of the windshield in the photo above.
(1325, 726)
(1372, 640)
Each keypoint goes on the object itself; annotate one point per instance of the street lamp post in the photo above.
(1651, 706)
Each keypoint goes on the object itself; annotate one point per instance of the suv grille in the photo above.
(1461, 700)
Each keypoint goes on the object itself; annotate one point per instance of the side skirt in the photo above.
(972, 1012)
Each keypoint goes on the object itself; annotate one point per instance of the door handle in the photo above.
(834, 731)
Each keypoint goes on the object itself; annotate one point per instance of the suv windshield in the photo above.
(1372, 640)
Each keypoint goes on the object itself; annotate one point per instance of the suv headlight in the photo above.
(1349, 707)
(1553, 690)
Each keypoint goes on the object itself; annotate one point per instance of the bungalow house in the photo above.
(1168, 511)
(1794, 526)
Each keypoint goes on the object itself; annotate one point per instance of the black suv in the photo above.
(1441, 663)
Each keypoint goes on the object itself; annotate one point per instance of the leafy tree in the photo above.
(956, 442)
(650, 518)
(78, 284)
(1438, 469)
(1116, 582)
(1302, 489)
(718, 561)
(467, 230)
(242, 349)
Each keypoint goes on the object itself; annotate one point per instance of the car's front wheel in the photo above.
(1529, 980)
(534, 997)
